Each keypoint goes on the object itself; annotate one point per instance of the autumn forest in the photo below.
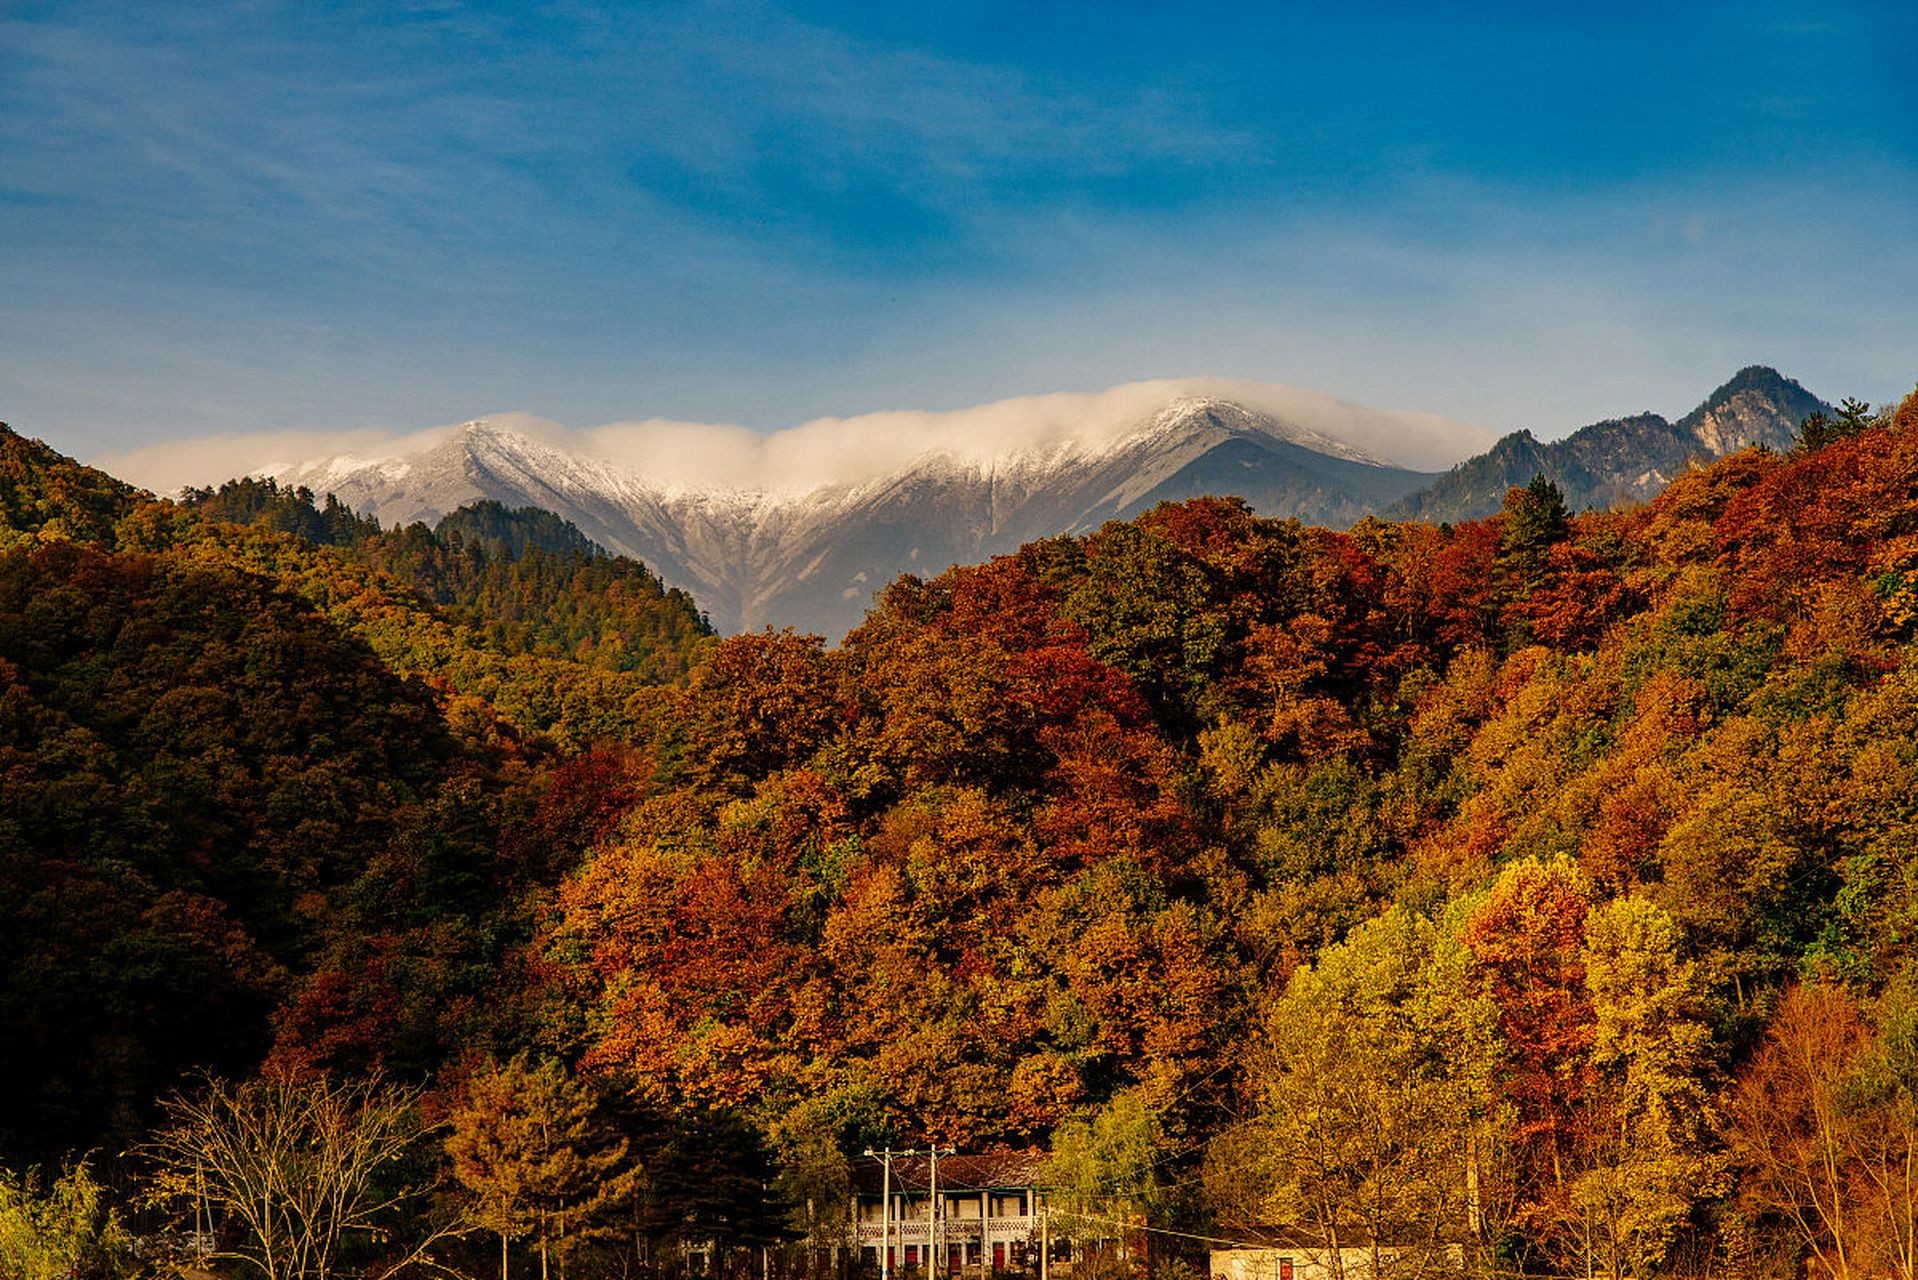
(1532, 895)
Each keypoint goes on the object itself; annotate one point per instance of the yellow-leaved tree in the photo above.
(1652, 1151)
(528, 1142)
(1379, 1113)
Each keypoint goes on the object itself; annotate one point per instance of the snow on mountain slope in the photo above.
(811, 555)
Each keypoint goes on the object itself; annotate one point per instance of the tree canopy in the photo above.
(1487, 881)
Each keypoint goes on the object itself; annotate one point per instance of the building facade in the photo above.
(1301, 1260)
(986, 1215)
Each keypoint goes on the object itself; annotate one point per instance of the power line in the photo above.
(1161, 1231)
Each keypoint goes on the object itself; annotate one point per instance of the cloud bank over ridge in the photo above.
(829, 452)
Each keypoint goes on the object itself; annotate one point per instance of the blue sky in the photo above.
(233, 216)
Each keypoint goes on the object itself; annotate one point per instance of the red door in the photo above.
(999, 1255)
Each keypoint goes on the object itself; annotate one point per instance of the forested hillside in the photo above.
(1541, 885)
(235, 761)
(525, 580)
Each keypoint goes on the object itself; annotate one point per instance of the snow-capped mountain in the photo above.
(812, 557)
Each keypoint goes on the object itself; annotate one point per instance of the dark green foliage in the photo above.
(1820, 429)
(710, 1181)
(264, 503)
(506, 534)
(1535, 521)
(227, 822)
(526, 581)
(1150, 610)
(193, 767)
(1816, 431)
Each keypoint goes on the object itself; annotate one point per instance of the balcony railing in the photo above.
(918, 1231)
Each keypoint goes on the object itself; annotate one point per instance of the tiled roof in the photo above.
(993, 1170)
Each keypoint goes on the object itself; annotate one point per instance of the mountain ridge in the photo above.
(1628, 459)
(812, 559)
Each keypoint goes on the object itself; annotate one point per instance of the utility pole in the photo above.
(1045, 1240)
(885, 1208)
(200, 1213)
(932, 1223)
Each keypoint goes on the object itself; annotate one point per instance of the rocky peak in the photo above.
(1622, 459)
(1758, 405)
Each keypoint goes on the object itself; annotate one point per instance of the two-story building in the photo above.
(986, 1216)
